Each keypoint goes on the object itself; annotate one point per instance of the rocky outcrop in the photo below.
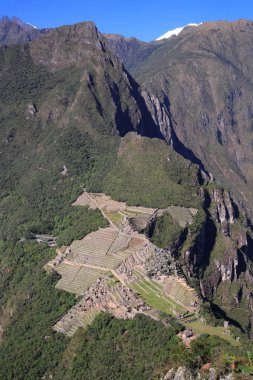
(226, 270)
(184, 374)
(225, 212)
(181, 373)
(160, 116)
(161, 262)
(215, 257)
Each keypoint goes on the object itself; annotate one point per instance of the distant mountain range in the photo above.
(175, 32)
(15, 31)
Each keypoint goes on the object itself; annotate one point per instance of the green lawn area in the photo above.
(201, 328)
(153, 295)
(115, 217)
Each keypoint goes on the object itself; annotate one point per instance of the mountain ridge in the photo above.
(203, 53)
(15, 31)
(175, 32)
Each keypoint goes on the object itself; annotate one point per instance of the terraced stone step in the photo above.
(78, 280)
(122, 255)
(107, 261)
(90, 316)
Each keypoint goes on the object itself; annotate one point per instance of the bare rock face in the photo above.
(225, 212)
(180, 374)
(160, 115)
(183, 374)
(31, 109)
(218, 259)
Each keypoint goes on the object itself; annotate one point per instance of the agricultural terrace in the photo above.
(107, 268)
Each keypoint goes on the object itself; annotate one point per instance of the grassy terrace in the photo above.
(202, 328)
(154, 296)
(114, 216)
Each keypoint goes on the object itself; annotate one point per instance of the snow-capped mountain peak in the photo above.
(34, 27)
(175, 32)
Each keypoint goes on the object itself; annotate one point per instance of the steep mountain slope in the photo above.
(15, 31)
(199, 87)
(65, 99)
(131, 50)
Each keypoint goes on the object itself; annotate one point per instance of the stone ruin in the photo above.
(119, 300)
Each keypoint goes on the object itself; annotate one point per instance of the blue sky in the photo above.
(145, 20)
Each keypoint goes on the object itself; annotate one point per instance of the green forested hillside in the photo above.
(149, 173)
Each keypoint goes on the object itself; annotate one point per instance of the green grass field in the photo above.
(201, 328)
(154, 296)
(115, 217)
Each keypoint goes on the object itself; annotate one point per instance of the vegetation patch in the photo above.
(30, 348)
(154, 296)
(109, 345)
(165, 232)
(149, 173)
(78, 222)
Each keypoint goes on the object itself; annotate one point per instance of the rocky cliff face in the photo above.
(220, 257)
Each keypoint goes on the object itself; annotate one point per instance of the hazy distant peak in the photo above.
(34, 27)
(175, 32)
(15, 31)
(15, 20)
